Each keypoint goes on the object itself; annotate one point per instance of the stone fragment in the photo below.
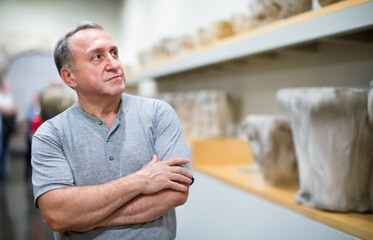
(272, 146)
(334, 146)
(266, 11)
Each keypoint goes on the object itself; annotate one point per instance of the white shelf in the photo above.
(334, 20)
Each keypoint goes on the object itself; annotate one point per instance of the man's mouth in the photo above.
(114, 77)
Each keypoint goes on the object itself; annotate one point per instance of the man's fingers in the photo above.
(178, 187)
(176, 161)
(154, 159)
(181, 178)
(181, 171)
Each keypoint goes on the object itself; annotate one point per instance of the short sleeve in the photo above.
(168, 138)
(50, 168)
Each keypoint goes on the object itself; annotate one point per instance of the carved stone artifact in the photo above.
(334, 146)
(204, 37)
(327, 2)
(266, 11)
(204, 113)
(221, 29)
(241, 22)
(271, 143)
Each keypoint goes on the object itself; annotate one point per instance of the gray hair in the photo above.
(63, 57)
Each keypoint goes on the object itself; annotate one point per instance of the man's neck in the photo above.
(106, 109)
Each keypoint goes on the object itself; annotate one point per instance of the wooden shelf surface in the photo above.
(233, 165)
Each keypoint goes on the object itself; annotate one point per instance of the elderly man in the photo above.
(112, 166)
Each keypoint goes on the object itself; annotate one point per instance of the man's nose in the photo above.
(112, 62)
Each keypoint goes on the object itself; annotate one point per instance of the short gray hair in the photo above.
(63, 57)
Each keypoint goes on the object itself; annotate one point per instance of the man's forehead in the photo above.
(87, 37)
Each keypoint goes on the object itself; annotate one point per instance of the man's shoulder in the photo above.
(147, 103)
(56, 123)
(143, 99)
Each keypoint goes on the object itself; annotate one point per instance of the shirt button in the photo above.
(111, 158)
(100, 122)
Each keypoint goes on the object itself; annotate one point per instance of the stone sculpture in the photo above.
(334, 146)
(266, 11)
(221, 29)
(241, 22)
(272, 146)
(327, 2)
(204, 113)
(187, 43)
(204, 37)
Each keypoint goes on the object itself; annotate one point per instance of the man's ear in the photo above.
(68, 77)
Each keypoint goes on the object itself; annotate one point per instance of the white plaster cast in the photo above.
(334, 146)
(272, 146)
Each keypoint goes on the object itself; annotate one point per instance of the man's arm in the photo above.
(146, 208)
(83, 207)
(142, 209)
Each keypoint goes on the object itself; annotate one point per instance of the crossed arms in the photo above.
(140, 197)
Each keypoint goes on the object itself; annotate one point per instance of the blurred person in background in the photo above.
(96, 173)
(45, 105)
(8, 119)
(33, 119)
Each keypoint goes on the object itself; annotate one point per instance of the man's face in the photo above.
(98, 71)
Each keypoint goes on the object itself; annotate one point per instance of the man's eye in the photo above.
(114, 53)
(97, 57)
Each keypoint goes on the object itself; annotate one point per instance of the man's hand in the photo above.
(167, 174)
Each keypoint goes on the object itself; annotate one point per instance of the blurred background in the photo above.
(212, 93)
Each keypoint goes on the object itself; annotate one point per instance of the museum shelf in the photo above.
(230, 160)
(332, 21)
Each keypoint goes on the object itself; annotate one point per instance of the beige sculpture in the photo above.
(204, 113)
(266, 11)
(221, 29)
(187, 43)
(334, 146)
(272, 146)
(204, 37)
(327, 2)
(241, 22)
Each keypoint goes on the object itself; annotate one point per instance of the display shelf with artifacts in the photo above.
(230, 160)
(329, 22)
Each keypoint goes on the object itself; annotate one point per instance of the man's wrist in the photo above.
(140, 180)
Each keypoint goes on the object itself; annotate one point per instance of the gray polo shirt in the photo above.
(75, 149)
